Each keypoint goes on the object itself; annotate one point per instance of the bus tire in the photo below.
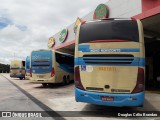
(64, 80)
(68, 80)
(44, 84)
(20, 78)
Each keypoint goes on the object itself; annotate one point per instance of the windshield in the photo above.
(109, 30)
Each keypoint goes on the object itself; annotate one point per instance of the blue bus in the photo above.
(48, 67)
(27, 68)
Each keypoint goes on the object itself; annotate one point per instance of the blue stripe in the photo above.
(136, 62)
(85, 48)
(67, 68)
(108, 58)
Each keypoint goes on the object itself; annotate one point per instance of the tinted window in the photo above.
(64, 59)
(108, 30)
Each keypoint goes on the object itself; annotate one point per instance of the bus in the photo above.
(49, 67)
(110, 63)
(17, 69)
(27, 68)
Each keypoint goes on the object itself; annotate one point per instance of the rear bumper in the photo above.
(39, 81)
(17, 75)
(119, 99)
(27, 77)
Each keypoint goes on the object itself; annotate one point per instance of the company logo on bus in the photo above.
(51, 42)
(63, 35)
(40, 57)
(101, 12)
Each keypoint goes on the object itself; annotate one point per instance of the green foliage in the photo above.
(4, 68)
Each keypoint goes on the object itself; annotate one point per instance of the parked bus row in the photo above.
(45, 67)
(109, 63)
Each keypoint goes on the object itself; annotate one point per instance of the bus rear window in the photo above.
(109, 30)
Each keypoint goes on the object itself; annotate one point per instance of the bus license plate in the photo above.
(107, 98)
(40, 76)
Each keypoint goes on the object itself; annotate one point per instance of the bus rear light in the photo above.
(30, 72)
(52, 72)
(140, 81)
(77, 78)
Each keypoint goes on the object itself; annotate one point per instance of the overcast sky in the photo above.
(26, 25)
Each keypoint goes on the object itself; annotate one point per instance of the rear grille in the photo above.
(108, 59)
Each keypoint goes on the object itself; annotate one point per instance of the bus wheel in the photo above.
(67, 80)
(44, 84)
(64, 80)
(20, 78)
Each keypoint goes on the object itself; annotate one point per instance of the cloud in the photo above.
(27, 25)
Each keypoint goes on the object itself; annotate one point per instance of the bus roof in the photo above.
(53, 51)
(108, 19)
(40, 50)
(17, 60)
(63, 53)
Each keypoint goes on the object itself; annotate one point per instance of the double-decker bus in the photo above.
(27, 68)
(48, 67)
(17, 69)
(110, 63)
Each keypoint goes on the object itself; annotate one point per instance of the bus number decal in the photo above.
(107, 69)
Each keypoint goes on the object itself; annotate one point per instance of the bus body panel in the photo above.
(17, 69)
(115, 73)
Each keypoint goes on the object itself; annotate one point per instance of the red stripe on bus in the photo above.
(95, 41)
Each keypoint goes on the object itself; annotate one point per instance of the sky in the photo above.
(26, 25)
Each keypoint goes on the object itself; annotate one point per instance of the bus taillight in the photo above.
(30, 72)
(77, 78)
(140, 81)
(52, 73)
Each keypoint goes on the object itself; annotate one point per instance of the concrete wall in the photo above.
(117, 9)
